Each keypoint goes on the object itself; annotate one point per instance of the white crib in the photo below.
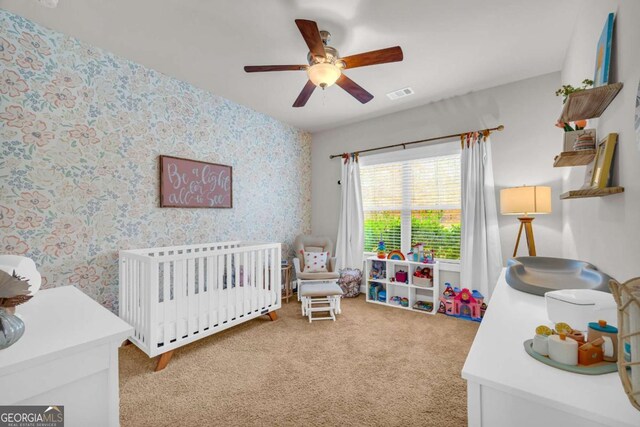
(175, 295)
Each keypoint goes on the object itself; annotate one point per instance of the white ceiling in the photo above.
(450, 47)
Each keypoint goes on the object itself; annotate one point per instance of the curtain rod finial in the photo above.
(501, 128)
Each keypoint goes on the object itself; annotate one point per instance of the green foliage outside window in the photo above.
(437, 229)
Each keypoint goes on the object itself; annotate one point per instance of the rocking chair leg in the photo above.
(163, 360)
(272, 315)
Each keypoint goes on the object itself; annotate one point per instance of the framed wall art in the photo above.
(602, 169)
(603, 53)
(186, 183)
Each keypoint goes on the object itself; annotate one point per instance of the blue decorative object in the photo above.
(11, 329)
(603, 53)
(382, 296)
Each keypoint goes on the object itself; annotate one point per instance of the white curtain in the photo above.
(480, 251)
(350, 241)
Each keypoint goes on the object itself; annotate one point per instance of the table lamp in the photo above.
(525, 201)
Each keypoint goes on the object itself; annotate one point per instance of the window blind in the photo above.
(413, 201)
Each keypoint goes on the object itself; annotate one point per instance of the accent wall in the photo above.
(81, 132)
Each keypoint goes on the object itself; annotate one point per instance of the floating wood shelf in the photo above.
(590, 103)
(574, 158)
(591, 192)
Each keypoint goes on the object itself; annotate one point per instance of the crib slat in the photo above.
(245, 283)
(228, 305)
(267, 278)
(262, 279)
(179, 294)
(151, 301)
(220, 285)
(136, 308)
(211, 289)
(191, 283)
(236, 288)
(166, 298)
(254, 292)
(273, 283)
(200, 321)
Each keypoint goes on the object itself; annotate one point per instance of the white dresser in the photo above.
(507, 387)
(67, 356)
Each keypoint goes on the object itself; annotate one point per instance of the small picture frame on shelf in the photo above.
(602, 170)
(588, 175)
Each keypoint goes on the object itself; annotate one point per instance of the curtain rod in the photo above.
(404, 144)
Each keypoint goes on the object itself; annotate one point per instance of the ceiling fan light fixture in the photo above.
(324, 74)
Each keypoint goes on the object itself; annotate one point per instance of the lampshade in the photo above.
(323, 74)
(525, 200)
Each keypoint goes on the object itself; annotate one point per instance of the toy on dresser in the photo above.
(571, 350)
(463, 303)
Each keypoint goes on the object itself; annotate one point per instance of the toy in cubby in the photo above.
(382, 296)
(423, 277)
(374, 289)
(401, 276)
(401, 301)
(378, 270)
(462, 303)
(423, 305)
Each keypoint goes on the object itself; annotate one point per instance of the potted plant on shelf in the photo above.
(576, 137)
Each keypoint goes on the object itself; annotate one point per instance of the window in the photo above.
(413, 200)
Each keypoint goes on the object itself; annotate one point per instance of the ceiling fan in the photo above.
(326, 66)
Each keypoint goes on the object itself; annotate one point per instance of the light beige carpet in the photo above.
(375, 366)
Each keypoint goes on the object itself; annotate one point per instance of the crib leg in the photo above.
(163, 360)
(272, 315)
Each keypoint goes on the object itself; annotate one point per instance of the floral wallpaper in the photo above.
(81, 131)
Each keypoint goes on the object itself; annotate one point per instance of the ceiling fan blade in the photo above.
(382, 56)
(354, 89)
(311, 35)
(261, 68)
(304, 96)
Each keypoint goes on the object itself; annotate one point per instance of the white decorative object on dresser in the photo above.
(506, 387)
(67, 356)
(414, 290)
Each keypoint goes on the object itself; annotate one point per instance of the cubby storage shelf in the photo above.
(406, 285)
(590, 103)
(591, 192)
(574, 158)
(434, 311)
(413, 292)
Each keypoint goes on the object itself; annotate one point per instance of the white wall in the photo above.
(606, 231)
(522, 154)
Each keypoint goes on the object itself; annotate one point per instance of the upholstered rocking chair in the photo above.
(317, 280)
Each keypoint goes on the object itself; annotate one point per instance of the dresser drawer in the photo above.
(51, 374)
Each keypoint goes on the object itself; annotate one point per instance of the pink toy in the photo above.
(462, 303)
(401, 276)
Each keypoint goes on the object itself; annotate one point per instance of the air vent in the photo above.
(400, 93)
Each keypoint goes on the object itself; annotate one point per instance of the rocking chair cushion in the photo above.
(320, 290)
(318, 276)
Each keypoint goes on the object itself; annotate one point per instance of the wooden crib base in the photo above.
(164, 358)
